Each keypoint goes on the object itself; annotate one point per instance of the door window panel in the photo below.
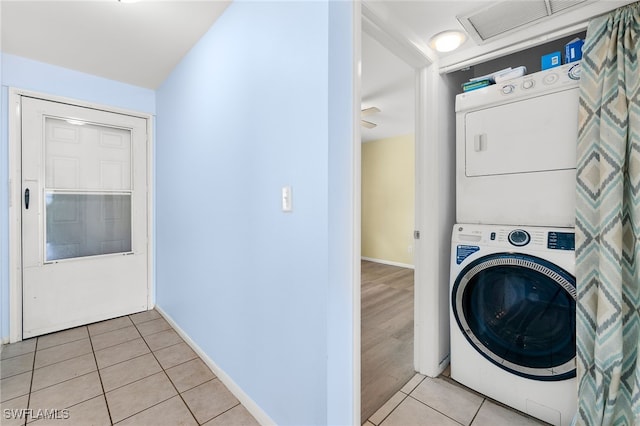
(79, 225)
(87, 156)
(88, 189)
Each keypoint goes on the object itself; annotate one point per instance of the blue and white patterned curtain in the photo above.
(608, 222)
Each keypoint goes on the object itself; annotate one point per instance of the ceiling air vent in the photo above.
(503, 17)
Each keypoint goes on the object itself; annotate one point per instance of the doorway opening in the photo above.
(387, 224)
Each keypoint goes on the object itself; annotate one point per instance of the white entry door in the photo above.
(84, 215)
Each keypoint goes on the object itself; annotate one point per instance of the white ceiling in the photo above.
(136, 43)
(387, 83)
(405, 28)
(140, 43)
(418, 21)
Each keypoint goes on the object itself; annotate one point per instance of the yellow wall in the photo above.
(388, 199)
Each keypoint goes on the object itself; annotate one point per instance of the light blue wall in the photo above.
(245, 113)
(26, 74)
(344, 255)
(267, 294)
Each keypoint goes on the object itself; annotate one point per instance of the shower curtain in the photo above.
(608, 222)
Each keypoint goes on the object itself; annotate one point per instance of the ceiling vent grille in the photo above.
(504, 17)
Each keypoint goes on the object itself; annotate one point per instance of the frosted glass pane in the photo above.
(80, 225)
(87, 156)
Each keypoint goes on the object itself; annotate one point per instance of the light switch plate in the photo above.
(287, 201)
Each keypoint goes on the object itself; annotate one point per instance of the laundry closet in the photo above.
(512, 284)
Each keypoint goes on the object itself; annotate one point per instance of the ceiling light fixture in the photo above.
(128, 1)
(447, 41)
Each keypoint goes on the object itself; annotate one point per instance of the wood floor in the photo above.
(387, 333)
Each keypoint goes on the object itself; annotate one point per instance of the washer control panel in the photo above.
(510, 236)
(561, 240)
(519, 237)
(473, 240)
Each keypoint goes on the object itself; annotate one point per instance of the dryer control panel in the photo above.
(535, 84)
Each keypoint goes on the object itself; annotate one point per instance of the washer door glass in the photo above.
(518, 311)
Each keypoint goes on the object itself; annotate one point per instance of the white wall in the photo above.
(4, 210)
(266, 294)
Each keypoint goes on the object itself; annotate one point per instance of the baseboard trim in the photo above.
(233, 387)
(389, 262)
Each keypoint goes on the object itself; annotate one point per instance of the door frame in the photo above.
(434, 204)
(15, 199)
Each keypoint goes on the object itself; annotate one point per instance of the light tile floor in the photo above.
(136, 371)
(425, 401)
(132, 370)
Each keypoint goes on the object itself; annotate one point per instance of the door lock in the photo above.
(26, 198)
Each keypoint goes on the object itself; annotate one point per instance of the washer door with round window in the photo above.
(518, 311)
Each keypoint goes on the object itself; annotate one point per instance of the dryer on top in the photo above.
(516, 150)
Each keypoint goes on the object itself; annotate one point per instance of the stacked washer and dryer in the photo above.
(513, 294)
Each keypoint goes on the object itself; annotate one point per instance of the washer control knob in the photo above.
(519, 237)
(508, 89)
(575, 71)
(527, 84)
(550, 79)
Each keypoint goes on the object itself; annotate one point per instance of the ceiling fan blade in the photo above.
(369, 111)
(368, 124)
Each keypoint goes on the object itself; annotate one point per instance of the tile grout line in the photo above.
(90, 337)
(415, 387)
(64, 381)
(166, 347)
(14, 356)
(151, 406)
(67, 342)
(436, 410)
(108, 331)
(120, 362)
(64, 360)
(218, 415)
(165, 373)
(406, 394)
(104, 394)
(142, 378)
(477, 411)
(33, 367)
(17, 374)
(135, 381)
(394, 409)
(92, 352)
(148, 408)
(116, 344)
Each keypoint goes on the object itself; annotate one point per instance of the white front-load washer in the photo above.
(513, 304)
